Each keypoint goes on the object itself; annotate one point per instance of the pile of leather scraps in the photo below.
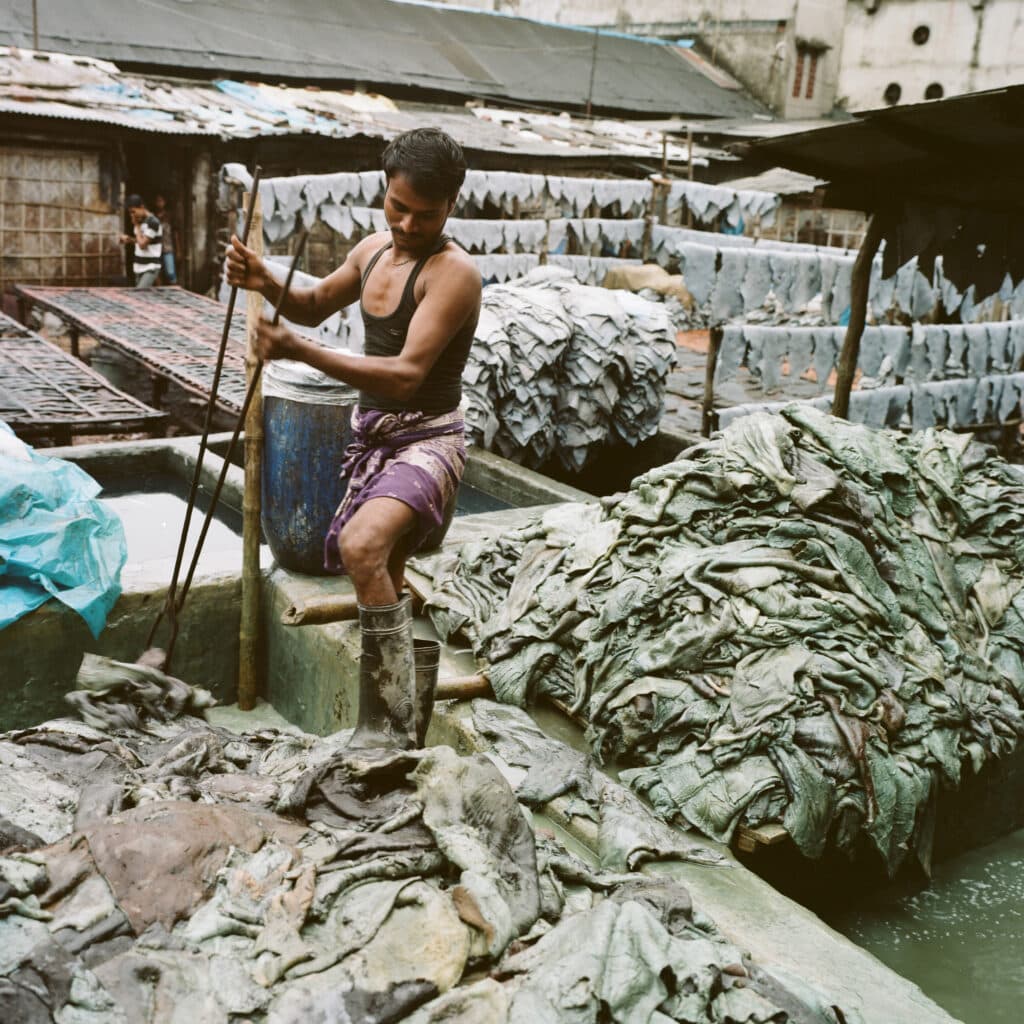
(171, 871)
(800, 621)
(560, 369)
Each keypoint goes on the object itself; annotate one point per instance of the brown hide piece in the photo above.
(161, 860)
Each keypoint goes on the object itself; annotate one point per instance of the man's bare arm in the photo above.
(307, 306)
(448, 303)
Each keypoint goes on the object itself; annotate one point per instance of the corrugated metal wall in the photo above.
(59, 217)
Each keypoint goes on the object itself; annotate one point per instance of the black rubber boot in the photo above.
(387, 678)
(427, 655)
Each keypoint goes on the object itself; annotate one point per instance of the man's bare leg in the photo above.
(367, 544)
(396, 564)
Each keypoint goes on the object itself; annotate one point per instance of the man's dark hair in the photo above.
(430, 160)
(133, 200)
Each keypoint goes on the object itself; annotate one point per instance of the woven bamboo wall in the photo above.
(60, 218)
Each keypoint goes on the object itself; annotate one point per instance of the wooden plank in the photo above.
(771, 834)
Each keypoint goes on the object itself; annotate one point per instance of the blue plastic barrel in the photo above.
(306, 425)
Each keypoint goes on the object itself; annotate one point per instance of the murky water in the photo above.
(962, 939)
(153, 518)
(471, 501)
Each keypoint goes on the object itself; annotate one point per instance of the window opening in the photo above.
(812, 72)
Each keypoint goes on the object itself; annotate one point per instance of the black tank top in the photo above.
(441, 391)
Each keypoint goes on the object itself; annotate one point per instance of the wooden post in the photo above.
(689, 170)
(708, 405)
(659, 200)
(593, 69)
(646, 240)
(464, 688)
(859, 284)
(249, 629)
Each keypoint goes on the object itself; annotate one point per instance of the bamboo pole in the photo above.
(249, 629)
(463, 687)
(689, 170)
(318, 610)
(859, 284)
(707, 408)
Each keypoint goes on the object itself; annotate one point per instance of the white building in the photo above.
(804, 57)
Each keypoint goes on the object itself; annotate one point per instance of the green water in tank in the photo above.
(961, 939)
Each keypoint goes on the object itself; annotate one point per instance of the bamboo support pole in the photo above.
(689, 170)
(319, 610)
(859, 285)
(463, 688)
(249, 629)
(707, 414)
(662, 189)
(646, 240)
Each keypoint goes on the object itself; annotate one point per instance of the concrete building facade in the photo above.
(805, 57)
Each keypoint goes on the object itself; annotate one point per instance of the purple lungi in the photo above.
(414, 457)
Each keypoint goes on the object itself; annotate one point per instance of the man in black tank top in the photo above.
(420, 299)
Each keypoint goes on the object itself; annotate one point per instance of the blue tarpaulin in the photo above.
(56, 538)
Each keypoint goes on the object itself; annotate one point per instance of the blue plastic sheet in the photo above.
(56, 538)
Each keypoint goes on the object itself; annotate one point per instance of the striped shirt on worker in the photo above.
(147, 257)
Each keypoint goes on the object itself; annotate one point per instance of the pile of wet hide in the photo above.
(559, 370)
(156, 868)
(801, 620)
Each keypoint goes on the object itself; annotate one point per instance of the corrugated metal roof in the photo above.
(944, 177)
(384, 43)
(779, 180)
(53, 85)
(961, 151)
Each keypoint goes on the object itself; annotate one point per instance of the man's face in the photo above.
(415, 221)
(136, 213)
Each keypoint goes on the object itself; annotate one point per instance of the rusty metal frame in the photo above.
(43, 390)
(172, 332)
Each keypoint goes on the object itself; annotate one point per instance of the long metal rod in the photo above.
(250, 392)
(170, 604)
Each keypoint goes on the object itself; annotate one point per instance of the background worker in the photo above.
(420, 299)
(168, 272)
(147, 242)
